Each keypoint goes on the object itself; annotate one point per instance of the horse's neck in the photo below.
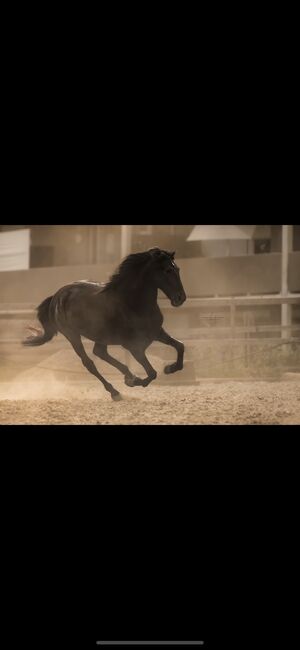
(143, 298)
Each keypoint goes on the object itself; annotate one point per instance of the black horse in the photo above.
(122, 312)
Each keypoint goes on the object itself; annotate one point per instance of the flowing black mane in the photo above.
(132, 266)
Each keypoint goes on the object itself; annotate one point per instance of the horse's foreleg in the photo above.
(139, 355)
(100, 350)
(168, 340)
(76, 342)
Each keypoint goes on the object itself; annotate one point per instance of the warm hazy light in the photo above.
(240, 325)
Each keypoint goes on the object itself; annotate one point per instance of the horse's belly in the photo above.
(127, 337)
(118, 330)
(102, 336)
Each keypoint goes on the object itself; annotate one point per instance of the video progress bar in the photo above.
(179, 643)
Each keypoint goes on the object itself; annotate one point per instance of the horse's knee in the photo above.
(180, 347)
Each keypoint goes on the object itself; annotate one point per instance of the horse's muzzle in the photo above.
(178, 300)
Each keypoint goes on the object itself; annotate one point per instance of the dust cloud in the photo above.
(32, 389)
(51, 401)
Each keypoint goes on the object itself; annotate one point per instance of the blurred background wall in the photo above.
(61, 254)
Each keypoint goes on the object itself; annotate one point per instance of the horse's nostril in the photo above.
(179, 298)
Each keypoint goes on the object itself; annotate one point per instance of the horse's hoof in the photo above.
(117, 397)
(173, 367)
(129, 380)
(168, 370)
(132, 380)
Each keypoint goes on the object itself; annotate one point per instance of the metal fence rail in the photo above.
(233, 335)
(164, 303)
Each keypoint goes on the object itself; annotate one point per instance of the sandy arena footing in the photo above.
(226, 402)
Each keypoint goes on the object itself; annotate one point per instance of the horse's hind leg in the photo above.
(76, 342)
(100, 350)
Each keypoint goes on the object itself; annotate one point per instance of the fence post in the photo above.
(286, 309)
(232, 325)
(232, 318)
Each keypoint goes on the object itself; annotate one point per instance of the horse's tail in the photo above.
(49, 328)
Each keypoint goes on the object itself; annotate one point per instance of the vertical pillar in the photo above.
(232, 318)
(286, 310)
(90, 245)
(126, 239)
(232, 334)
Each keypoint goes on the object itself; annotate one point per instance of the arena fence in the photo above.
(221, 335)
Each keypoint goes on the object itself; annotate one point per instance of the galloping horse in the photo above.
(124, 311)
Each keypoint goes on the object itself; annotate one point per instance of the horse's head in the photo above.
(166, 276)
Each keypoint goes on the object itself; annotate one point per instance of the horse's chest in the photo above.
(147, 327)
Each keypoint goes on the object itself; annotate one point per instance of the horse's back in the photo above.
(77, 304)
(85, 308)
(79, 289)
(86, 286)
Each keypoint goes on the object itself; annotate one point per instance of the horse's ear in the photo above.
(172, 255)
(155, 252)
